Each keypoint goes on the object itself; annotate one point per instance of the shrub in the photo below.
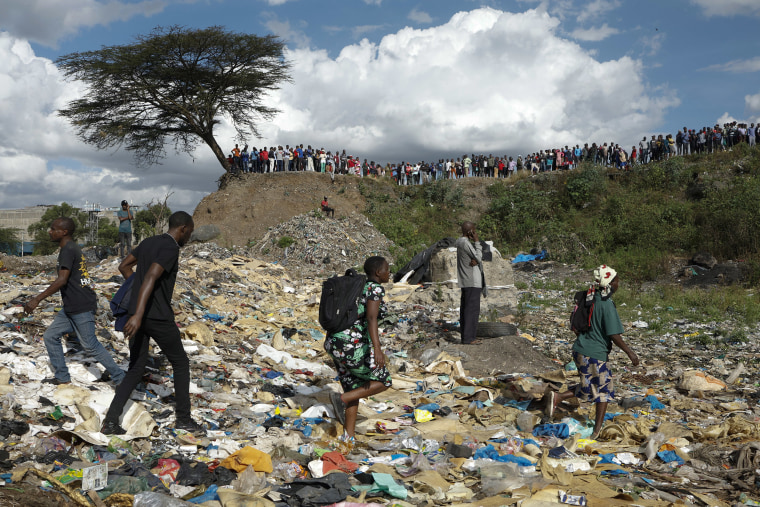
(585, 185)
(285, 242)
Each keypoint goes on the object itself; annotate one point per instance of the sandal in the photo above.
(338, 407)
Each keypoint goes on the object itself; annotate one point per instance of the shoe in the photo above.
(55, 381)
(112, 428)
(190, 426)
(339, 407)
(551, 401)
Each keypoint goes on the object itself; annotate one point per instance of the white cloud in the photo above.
(465, 85)
(752, 102)
(47, 21)
(420, 16)
(42, 161)
(373, 2)
(288, 33)
(594, 34)
(652, 46)
(462, 86)
(276, 2)
(737, 66)
(593, 10)
(359, 30)
(729, 7)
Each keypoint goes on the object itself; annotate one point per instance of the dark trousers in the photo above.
(469, 312)
(166, 335)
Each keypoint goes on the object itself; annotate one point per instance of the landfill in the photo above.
(462, 425)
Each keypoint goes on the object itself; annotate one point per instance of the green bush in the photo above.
(585, 185)
(285, 242)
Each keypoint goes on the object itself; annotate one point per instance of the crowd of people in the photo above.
(659, 147)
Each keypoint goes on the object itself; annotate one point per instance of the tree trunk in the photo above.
(211, 141)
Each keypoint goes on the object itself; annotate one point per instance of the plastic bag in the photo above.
(249, 481)
(153, 499)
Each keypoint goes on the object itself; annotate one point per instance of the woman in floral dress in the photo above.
(357, 353)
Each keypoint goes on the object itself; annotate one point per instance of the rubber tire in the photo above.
(495, 329)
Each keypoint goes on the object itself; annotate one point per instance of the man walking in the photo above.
(470, 279)
(79, 305)
(151, 316)
(125, 228)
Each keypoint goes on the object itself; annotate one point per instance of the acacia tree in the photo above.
(174, 85)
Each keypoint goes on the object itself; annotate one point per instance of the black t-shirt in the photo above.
(164, 251)
(77, 294)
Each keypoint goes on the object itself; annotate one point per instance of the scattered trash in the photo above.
(447, 433)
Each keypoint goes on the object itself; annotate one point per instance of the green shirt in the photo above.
(605, 321)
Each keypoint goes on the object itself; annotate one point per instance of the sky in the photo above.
(386, 80)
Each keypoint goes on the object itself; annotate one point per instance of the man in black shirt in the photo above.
(79, 306)
(151, 316)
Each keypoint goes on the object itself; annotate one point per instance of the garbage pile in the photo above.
(441, 436)
(312, 245)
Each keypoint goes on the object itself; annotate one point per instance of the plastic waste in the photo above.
(249, 481)
(124, 484)
(653, 444)
(527, 421)
(208, 496)
(499, 477)
(153, 499)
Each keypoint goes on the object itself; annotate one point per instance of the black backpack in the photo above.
(583, 309)
(337, 305)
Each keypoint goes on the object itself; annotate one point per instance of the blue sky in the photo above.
(389, 80)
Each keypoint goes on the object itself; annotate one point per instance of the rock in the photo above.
(704, 259)
(199, 332)
(694, 380)
(205, 233)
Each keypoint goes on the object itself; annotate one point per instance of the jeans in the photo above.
(125, 243)
(83, 324)
(166, 335)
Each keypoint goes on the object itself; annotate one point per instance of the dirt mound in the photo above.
(253, 203)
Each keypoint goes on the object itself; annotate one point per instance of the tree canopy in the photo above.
(38, 230)
(9, 240)
(149, 221)
(174, 85)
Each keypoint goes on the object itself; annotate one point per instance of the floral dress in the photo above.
(352, 351)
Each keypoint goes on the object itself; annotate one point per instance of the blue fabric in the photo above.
(522, 405)
(560, 430)
(607, 458)
(208, 496)
(83, 324)
(489, 452)
(120, 304)
(670, 456)
(272, 374)
(213, 316)
(617, 471)
(525, 257)
(430, 407)
(654, 403)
